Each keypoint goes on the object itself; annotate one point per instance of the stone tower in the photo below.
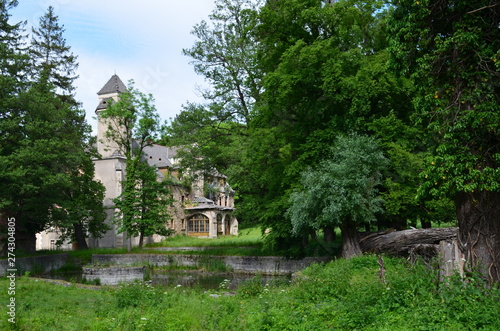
(111, 91)
(110, 168)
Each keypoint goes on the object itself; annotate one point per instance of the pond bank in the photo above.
(270, 265)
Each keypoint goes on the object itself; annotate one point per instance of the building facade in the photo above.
(203, 203)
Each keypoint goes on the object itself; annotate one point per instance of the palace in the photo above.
(202, 207)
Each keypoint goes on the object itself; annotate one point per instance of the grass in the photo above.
(340, 295)
(247, 237)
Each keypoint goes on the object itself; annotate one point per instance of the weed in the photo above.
(340, 295)
(250, 287)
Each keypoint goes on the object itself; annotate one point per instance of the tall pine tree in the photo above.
(44, 159)
(53, 61)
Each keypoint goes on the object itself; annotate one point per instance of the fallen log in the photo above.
(402, 242)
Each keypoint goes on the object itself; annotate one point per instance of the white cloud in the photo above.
(139, 40)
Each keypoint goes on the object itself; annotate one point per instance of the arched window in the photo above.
(198, 225)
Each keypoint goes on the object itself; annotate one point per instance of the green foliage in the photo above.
(225, 54)
(137, 294)
(342, 294)
(325, 75)
(53, 62)
(45, 157)
(450, 50)
(132, 120)
(143, 205)
(250, 287)
(341, 190)
(405, 146)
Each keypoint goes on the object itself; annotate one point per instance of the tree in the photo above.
(39, 174)
(82, 211)
(143, 205)
(213, 135)
(53, 61)
(13, 66)
(326, 74)
(341, 191)
(450, 49)
(133, 124)
(404, 145)
(46, 167)
(225, 54)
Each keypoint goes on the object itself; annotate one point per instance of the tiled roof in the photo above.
(202, 203)
(158, 155)
(203, 200)
(113, 85)
(103, 104)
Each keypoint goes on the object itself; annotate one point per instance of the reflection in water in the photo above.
(231, 281)
(202, 280)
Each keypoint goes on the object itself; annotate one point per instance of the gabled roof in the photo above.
(113, 85)
(202, 203)
(103, 104)
(158, 156)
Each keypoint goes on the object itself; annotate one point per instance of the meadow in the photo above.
(340, 295)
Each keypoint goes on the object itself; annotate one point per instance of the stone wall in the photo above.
(113, 275)
(43, 263)
(244, 264)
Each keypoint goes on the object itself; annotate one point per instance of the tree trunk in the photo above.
(350, 243)
(329, 234)
(80, 236)
(25, 241)
(401, 242)
(478, 216)
(141, 239)
(314, 237)
(426, 224)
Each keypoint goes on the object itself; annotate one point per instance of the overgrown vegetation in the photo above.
(343, 295)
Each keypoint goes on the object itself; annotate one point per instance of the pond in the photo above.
(205, 280)
(190, 279)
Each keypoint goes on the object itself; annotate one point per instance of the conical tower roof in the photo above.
(114, 85)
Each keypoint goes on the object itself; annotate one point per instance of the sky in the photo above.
(139, 40)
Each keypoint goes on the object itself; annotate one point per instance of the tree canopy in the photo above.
(342, 191)
(45, 153)
(451, 50)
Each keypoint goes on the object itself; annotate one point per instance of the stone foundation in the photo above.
(271, 265)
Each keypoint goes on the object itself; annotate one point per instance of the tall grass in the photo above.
(247, 237)
(341, 295)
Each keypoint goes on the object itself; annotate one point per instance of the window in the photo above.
(198, 225)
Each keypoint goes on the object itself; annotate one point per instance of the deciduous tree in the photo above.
(133, 124)
(451, 50)
(341, 191)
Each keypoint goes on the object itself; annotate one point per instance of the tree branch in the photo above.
(482, 8)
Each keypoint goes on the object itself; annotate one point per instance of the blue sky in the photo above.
(139, 40)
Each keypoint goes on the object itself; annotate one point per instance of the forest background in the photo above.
(323, 114)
